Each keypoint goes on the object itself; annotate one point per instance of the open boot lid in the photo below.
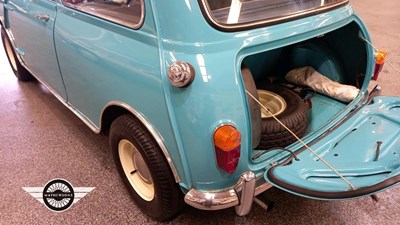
(365, 149)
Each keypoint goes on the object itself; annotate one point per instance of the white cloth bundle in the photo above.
(307, 76)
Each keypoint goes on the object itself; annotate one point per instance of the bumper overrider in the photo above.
(241, 195)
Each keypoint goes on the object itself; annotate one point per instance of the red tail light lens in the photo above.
(227, 147)
(380, 61)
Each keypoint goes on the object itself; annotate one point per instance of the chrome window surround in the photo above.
(96, 129)
(261, 23)
(110, 18)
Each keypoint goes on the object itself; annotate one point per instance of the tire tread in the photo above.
(273, 134)
(168, 193)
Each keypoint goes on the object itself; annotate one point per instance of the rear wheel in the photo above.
(19, 71)
(144, 169)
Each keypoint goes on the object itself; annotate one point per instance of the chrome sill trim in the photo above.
(92, 126)
(242, 26)
(156, 135)
(81, 116)
(84, 119)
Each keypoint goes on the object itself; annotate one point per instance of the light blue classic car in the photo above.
(212, 102)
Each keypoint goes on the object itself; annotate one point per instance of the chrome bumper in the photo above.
(241, 195)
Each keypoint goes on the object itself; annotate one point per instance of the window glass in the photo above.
(128, 13)
(229, 12)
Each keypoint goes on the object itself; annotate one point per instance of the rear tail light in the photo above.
(380, 61)
(227, 147)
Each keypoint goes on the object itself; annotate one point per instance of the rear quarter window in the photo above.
(128, 13)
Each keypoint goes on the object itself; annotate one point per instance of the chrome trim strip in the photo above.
(152, 131)
(240, 195)
(240, 26)
(110, 18)
(96, 129)
(84, 119)
(81, 116)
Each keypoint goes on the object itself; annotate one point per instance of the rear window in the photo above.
(236, 14)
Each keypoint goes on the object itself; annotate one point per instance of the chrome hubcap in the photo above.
(136, 170)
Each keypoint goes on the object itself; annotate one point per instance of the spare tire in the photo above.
(293, 115)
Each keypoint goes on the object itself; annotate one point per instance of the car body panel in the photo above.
(37, 49)
(364, 150)
(106, 64)
(100, 53)
(203, 51)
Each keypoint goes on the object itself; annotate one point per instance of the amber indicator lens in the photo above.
(227, 147)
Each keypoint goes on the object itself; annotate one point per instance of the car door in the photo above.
(360, 156)
(107, 53)
(32, 25)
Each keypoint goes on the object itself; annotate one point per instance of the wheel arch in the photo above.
(115, 109)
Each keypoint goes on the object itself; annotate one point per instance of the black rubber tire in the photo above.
(294, 117)
(168, 198)
(19, 71)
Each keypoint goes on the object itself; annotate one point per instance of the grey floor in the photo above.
(41, 140)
